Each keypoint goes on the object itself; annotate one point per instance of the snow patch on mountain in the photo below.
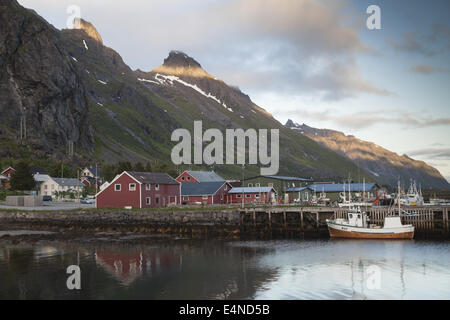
(167, 79)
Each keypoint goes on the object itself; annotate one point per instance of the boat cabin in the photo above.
(357, 219)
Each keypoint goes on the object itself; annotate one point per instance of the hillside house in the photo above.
(140, 190)
(334, 190)
(199, 176)
(8, 172)
(255, 195)
(51, 186)
(279, 183)
(205, 192)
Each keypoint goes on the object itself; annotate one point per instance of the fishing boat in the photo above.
(350, 203)
(358, 226)
(413, 197)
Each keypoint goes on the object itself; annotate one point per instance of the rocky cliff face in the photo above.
(384, 165)
(40, 82)
(66, 81)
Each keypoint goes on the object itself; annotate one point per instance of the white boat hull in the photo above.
(345, 231)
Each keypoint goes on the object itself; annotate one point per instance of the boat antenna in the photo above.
(398, 198)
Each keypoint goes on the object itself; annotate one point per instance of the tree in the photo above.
(61, 169)
(108, 172)
(124, 166)
(22, 179)
(148, 167)
(138, 167)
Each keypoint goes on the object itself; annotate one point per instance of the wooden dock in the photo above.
(429, 221)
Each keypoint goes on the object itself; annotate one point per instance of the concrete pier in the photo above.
(296, 222)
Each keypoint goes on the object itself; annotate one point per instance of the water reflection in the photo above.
(188, 269)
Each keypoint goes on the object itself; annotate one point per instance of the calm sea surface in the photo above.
(136, 268)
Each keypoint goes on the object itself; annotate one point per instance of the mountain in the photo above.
(385, 165)
(76, 89)
(40, 86)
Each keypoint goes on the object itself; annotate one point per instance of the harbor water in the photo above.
(138, 267)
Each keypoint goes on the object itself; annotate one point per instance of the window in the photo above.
(157, 200)
(248, 195)
(117, 187)
(182, 179)
(45, 187)
(350, 216)
(239, 196)
(156, 186)
(188, 178)
(147, 186)
(250, 184)
(225, 188)
(148, 200)
(257, 184)
(359, 216)
(204, 197)
(132, 187)
(257, 196)
(53, 187)
(185, 198)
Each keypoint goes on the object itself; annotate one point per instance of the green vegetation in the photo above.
(22, 179)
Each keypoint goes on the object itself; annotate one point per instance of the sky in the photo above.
(312, 61)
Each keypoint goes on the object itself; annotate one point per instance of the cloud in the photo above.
(436, 40)
(432, 153)
(289, 46)
(368, 118)
(427, 69)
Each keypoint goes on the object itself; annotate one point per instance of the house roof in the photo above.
(38, 177)
(151, 177)
(296, 189)
(7, 170)
(38, 171)
(94, 171)
(205, 176)
(282, 178)
(339, 187)
(68, 182)
(251, 190)
(201, 188)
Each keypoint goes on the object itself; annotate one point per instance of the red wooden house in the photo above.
(140, 190)
(8, 172)
(252, 195)
(205, 192)
(199, 176)
(5, 176)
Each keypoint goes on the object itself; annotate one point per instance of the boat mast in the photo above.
(398, 198)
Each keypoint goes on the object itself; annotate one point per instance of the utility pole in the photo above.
(243, 185)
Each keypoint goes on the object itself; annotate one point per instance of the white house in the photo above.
(52, 185)
(90, 172)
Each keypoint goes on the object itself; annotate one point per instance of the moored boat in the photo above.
(358, 226)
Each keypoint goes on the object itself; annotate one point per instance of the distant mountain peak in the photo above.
(180, 59)
(88, 28)
(179, 63)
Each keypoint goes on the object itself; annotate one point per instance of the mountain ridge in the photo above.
(386, 165)
(130, 114)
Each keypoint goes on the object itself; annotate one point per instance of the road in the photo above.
(52, 205)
